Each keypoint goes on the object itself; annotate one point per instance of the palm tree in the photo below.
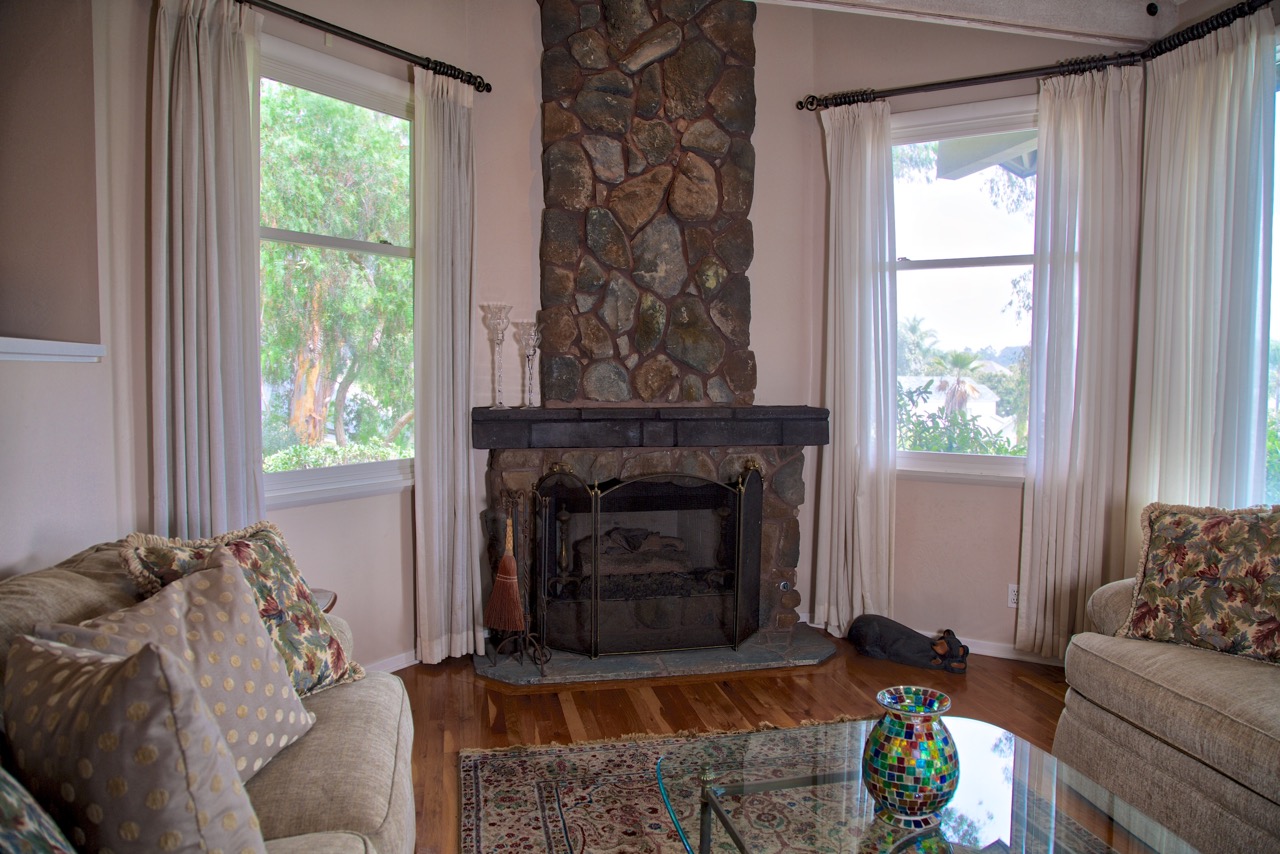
(959, 388)
(915, 345)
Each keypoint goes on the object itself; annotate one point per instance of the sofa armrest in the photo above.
(342, 631)
(1110, 604)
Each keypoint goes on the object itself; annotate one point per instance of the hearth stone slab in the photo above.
(804, 645)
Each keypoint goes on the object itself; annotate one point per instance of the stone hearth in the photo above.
(802, 646)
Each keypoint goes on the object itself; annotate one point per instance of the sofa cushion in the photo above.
(301, 630)
(352, 771)
(209, 621)
(1219, 709)
(322, 843)
(123, 752)
(1210, 578)
(81, 587)
(24, 825)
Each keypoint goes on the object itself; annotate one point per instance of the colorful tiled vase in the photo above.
(909, 763)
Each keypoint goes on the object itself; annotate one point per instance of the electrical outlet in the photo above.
(1013, 595)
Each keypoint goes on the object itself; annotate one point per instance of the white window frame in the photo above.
(974, 119)
(309, 69)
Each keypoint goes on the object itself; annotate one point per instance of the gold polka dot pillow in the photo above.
(209, 620)
(123, 753)
(300, 630)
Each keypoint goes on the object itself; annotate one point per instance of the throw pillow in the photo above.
(300, 630)
(123, 752)
(1210, 578)
(25, 828)
(209, 621)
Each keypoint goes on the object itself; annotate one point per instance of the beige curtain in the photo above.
(205, 424)
(857, 469)
(1088, 191)
(1200, 388)
(446, 509)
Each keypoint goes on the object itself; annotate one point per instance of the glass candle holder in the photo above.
(496, 321)
(528, 336)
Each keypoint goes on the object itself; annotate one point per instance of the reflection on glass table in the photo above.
(800, 790)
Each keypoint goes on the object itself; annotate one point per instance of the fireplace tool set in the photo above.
(507, 611)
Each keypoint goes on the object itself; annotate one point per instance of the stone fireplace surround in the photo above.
(599, 444)
(646, 368)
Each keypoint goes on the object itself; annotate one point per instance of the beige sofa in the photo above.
(1188, 736)
(344, 787)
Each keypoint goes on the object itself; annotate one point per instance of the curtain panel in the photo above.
(1204, 300)
(446, 513)
(1088, 193)
(857, 469)
(205, 376)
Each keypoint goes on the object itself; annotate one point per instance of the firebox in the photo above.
(653, 563)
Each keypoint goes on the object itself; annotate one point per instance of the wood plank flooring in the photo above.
(454, 708)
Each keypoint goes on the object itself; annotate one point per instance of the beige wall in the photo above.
(71, 471)
(48, 239)
(360, 550)
(77, 472)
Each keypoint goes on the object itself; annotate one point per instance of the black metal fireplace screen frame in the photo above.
(561, 492)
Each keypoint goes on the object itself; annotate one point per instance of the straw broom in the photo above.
(504, 611)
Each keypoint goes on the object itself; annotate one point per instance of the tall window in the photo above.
(965, 229)
(336, 278)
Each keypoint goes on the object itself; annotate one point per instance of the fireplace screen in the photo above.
(663, 562)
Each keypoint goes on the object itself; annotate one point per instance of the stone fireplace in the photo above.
(647, 374)
(604, 446)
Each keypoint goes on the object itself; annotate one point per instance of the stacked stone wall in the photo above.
(649, 173)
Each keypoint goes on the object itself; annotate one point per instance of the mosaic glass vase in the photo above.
(909, 764)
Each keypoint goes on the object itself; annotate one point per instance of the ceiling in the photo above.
(1121, 23)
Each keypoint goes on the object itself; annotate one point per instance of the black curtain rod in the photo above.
(1079, 65)
(426, 62)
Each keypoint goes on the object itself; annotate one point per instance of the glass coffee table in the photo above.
(800, 790)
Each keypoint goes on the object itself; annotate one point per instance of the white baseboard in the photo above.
(394, 663)
(991, 648)
(1007, 650)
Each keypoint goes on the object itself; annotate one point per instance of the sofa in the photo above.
(341, 787)
(1190, 736)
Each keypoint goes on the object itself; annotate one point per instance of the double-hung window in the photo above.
(336, 277)
(964, 199)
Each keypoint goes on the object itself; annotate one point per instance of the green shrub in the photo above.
(322, 456)
(956, 433)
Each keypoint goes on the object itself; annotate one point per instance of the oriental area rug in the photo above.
(604, 798)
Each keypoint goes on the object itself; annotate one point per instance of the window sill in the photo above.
(337, 483)
(961, 468)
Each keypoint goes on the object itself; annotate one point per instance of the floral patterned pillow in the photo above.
(300, 630)
(25, 828)
(1210, 578)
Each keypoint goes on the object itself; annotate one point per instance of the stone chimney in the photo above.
(648, 173)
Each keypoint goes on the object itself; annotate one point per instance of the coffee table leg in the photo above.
(705, 819)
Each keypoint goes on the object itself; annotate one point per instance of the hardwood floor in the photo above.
(454, 708)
